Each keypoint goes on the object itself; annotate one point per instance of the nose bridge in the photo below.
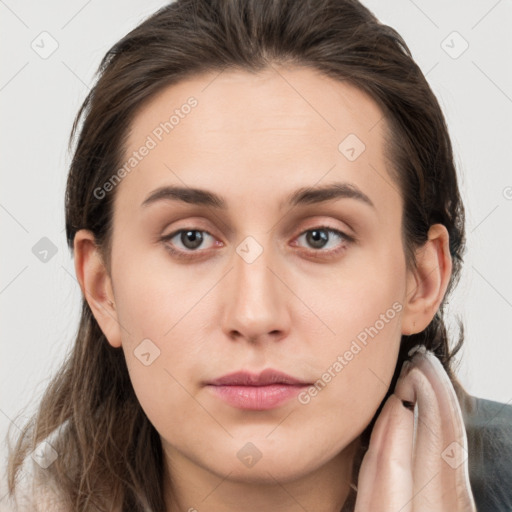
(255, 302)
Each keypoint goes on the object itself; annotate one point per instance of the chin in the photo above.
(267, 472)
(261, 461)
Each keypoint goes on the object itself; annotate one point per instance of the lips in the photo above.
(265, 378)
(266, 390)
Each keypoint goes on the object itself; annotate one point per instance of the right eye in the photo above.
(189, 238)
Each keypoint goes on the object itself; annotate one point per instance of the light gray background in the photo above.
(39, 302)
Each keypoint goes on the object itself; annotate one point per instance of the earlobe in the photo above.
(96, 285)
(427, 284)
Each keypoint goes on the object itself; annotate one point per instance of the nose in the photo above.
(256, 300)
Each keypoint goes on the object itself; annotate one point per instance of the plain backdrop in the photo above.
(464, 49)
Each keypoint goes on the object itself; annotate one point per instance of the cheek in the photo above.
(151, 294)
(165, 398)
(363, 302)
(158, 307)
(357, 360)
(355, 376)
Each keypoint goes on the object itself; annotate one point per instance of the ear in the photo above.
(96, 285)
(427, 284)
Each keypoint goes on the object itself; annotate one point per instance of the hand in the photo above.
(417, 466)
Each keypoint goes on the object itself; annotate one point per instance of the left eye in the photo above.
(318, 238)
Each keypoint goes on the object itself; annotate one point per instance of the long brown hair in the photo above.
(110, 456)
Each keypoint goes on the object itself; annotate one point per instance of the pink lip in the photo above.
(263, 391)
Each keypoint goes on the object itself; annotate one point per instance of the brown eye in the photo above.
(322, 237)
(190, 240)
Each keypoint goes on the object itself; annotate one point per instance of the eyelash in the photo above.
(187, 255)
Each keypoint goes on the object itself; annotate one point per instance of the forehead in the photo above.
(257, 135)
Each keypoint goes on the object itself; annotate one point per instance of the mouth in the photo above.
(258, 392)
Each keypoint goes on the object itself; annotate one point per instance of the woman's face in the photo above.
(272, 274)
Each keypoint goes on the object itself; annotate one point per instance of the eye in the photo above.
(190, 240)
(325, 236)
(193, 240)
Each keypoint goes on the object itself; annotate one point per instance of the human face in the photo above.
(259, 290)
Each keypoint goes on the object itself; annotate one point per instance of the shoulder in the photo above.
(32, 492)
(489, 432)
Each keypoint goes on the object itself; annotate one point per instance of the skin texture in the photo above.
(254, 139)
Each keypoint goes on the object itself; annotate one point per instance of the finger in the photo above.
(441, 477)
(385, 477)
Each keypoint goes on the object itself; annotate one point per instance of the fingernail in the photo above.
(406, 366)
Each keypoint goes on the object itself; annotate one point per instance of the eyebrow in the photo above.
(302, 196)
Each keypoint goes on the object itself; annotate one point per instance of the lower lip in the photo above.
(257, 398)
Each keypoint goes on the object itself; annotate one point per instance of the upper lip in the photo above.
(266, 377)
